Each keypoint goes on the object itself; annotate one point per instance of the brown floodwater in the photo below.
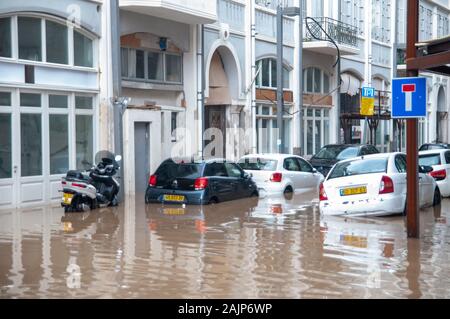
(252, 248)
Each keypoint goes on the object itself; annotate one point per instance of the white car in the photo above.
(440, 161)
(281, 173)
(373, 185)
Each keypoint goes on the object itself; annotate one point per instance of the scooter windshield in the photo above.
(105, 157)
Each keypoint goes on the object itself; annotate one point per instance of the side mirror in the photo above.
(118, 158)
(425, 169)
(247, 175)
(314, 171)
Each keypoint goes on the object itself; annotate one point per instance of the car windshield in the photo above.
(430, 159)
(170, 171)
(359, 167)
(258, 164)
(337, 153)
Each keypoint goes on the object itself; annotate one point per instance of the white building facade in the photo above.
(53, 94)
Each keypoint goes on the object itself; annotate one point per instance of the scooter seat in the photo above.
(76, 175)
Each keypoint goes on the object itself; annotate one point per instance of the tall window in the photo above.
(5, 37)
(316, 129)
(83, 50)
(5, 145)
(316, 81)
(267, 76)
(56, 39)
(152, 66)
(30, 39)
(267, 129)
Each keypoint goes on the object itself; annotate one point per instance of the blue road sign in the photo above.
(409, 98)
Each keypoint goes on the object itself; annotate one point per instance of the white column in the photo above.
(368, 46)
(106, 121)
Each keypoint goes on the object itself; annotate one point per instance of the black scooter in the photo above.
(94, 188)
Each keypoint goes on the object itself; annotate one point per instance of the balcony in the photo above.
(184, 11)
(345, 36)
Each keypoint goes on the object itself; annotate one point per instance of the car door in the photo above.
(309, 179)
(239, 184)
(400, 162)
(400, 177)
(294, 173)
(221, 186)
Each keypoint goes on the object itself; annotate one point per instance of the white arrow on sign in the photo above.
(408, 89)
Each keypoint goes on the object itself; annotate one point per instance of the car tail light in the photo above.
(276, 177)
(439, 175)
(200, 183)
(322, 194)
(79, 185)
(152, 181)
(387, 185)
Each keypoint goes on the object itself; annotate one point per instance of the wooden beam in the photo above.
(428, 61)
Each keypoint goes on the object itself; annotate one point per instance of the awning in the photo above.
(350, 84)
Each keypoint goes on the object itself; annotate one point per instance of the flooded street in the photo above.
(253, 248)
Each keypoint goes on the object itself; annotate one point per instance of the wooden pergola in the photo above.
(432, 56)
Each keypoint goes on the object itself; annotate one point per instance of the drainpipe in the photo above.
(117, 87)
(201, 90)
(253, 88)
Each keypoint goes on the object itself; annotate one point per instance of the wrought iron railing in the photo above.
(340, 32)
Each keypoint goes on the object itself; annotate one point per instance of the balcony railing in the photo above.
(340, 32)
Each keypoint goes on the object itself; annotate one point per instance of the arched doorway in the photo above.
(442, 117)
(221, 113)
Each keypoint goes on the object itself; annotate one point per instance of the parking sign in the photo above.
(409, 98)
(367, 101)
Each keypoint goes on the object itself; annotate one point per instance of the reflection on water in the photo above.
(254, 248)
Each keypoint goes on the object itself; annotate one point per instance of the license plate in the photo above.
(354, 191)
(173, 198)
(67, 198)
(174, 211)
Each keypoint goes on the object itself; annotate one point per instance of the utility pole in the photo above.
(412, 173)
(300, 78)
(280, 97)
(291, 12)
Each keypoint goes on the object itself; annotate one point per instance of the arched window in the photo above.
(267, 77)
(316, 81)
(45, 39)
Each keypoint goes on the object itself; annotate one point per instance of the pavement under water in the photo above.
(269, 247)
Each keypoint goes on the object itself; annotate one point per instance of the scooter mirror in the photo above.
(118, 158)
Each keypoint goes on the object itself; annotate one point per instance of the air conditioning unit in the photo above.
(224, 31)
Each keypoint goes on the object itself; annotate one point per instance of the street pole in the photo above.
(412, 173)
(280, 102)
(300, 78)
(117, 87)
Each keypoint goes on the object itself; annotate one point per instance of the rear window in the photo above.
(170, 171)
(430, 159)
(337, 153)
(359, 167)
(258, 164)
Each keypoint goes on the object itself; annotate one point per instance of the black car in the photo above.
(436, 146)
(329, 155)
(180, 181)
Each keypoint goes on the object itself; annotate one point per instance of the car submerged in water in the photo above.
(180, 181)
(373, 185)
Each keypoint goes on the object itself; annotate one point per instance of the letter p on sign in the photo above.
(408, 89)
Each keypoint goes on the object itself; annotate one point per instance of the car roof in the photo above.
(275, 156)
(435, 151)
(192, 160)
(379, 155)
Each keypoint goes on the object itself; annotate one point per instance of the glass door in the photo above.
(7, 169)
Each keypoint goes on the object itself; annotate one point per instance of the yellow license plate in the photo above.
(174, 211)
(67, 198)
(173, 198)
(354, 191)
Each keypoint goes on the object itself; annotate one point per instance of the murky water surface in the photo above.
(253, 248)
